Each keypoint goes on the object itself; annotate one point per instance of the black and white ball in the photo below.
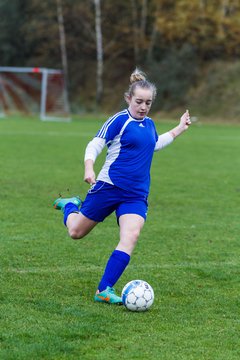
(137, 295)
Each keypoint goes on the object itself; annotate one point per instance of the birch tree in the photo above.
(62, 40)
(154, 33)
(99, 49)
(139, 23)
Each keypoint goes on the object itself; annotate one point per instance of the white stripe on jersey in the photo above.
(125, 125)
(113, 152)
(102, 132)
(112, 155)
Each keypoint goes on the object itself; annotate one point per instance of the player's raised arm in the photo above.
(168, 137)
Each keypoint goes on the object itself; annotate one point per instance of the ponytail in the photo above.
(138, 79)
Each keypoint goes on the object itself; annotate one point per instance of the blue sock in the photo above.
(116, 264)
(69, 208)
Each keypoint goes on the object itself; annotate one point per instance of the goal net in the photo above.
(33, 91)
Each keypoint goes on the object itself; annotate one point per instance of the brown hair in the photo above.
(138, 79)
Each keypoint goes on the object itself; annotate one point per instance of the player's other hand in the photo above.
(185, 120)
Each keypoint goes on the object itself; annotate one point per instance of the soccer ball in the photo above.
(137, 295)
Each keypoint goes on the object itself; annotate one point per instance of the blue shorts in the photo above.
(103, 198)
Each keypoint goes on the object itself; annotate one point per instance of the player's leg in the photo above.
(130, 228)
(79, 225)
(80, 218)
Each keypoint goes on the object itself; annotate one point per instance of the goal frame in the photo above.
(45, 72)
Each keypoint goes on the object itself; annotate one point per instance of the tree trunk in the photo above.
(99, 48)
(62, 40)
(153, 34)
(135, 31)
(63, 52)
(143, 19)
(224, 8)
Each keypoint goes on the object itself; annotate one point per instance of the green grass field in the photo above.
(188, 250)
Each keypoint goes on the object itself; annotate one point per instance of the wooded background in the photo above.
(189, 48)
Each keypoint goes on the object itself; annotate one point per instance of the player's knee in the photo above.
(76, 234)
(133, 235)
(128, 241)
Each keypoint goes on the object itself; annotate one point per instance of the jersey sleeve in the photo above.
(94, 148)
(163, 140)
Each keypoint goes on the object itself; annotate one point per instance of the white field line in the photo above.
(48, 133)
(90, 268)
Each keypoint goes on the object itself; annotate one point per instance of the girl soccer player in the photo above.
(124, 180)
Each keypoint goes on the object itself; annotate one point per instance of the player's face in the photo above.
(140, 102)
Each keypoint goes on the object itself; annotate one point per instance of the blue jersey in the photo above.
(131, 144)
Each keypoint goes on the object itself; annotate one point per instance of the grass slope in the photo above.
(188, 250)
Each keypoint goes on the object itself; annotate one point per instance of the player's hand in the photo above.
(89, 177)
(185, 120)
(183, 125)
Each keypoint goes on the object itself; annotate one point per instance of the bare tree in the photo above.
(154, 33)
(139, 23)
(63, 50)
(99, 48)
(135, 30)
(225, 8)
(202, 4)
(62, 39)
(144, 19)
